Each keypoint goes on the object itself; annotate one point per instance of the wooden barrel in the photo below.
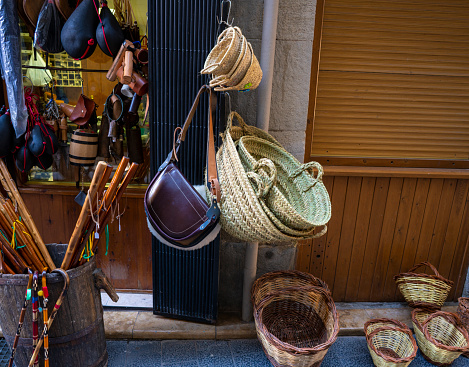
(83, 147)
(76, 337)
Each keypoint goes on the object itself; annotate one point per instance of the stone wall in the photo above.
(290, 98)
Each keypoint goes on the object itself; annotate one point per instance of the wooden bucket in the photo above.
(83, 147)
(76, 337)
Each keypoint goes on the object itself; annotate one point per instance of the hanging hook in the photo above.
(229, 102)
(27, 77)
(82, 86)
(222, 11)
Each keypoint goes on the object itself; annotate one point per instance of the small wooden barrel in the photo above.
(76, 338)
(83, 147)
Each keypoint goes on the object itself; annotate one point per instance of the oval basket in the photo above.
(423, 290)
(243, 214)
(277, 280)
(390, 343)
(463, 313)
(297, 326)
(440, 335)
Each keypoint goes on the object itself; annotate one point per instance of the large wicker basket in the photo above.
(463, 313)
(390, 343)
(276, 281)
(440, 335)
(296, 326)
(423, 290)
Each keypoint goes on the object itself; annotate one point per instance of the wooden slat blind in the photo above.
(393, 80)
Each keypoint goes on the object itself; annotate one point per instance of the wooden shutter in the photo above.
(392, 81)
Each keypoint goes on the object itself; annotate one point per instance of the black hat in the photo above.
(44, 161)
(24, 159)
(79, 32)
(7, 134)
(109, 33)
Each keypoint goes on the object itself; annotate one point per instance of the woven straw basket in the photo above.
(243, 211)
(299, 200)
(390, 343)
(463, 313)
(423, 290)
(296, 326)
(276, 281)
(223, 56)
(440, 335)
(236, 74)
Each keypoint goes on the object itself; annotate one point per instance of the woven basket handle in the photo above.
(233, 114)
(426, 263)
(451, 318)
(309, 167)
(322, 233)
(263, 181)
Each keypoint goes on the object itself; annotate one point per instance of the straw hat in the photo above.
(251, 78)
(224, 55)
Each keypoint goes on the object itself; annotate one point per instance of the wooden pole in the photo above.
(24, 212)
(85, 211)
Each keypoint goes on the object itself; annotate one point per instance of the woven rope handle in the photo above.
(263, 177)
(241, 122)
(426, 263)
(310, 168)
(322, 233)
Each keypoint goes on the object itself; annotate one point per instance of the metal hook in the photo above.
(82, 88)
(222, 10)
(229, 102)
(27, 77)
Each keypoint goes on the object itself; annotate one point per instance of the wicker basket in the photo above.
(463, 313)
(390, 343)
(423, 290)
(275, 281)
(440, 335)
(243, 215)
(296, 326)
(223, 56)
(299, 199)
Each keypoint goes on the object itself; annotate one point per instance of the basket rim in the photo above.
(450, 317)
(410, 274)
(388, 358)
(280, 273)
(258, 311)
(397, 323)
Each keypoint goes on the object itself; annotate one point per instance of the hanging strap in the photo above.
(212, 174)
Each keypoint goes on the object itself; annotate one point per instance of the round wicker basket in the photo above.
(297, 326)
(390, 343)
(463, 313)
(423, 290)
(440, 335)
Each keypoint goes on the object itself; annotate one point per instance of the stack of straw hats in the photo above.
(232, 63)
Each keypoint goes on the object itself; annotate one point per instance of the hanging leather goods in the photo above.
(134, 144)
(138, 83)
(176, 213)
(63, 129)
(27, 298)
(109, 33)
(114, 108)
(117, 63)
(67, 7)
(7, 134)
(83, 111)
(103, 139)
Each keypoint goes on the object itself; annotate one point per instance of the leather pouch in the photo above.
(177, 214)
(83, 110)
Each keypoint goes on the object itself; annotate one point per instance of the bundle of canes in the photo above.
(45, 300)
(52, 315)
(27, 297)
(111, 200)
(14, 195)
(35, 302)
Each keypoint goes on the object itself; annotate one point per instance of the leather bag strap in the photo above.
(212, 174)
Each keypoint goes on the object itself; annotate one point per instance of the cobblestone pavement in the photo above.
(346, 352)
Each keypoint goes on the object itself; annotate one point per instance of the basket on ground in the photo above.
(440, 335)
(390, 343)
(276, 281)
(463, 313)
(423, 290)
(296, 326)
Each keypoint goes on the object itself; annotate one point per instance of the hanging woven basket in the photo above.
(297, 326)
(440, 335)
(423, 290)
(243, 210)
(390, 343)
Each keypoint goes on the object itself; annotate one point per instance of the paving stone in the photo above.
(251, 360)
(178, 351)
(245, 346)
(143, 353)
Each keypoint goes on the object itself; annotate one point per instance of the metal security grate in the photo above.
(181, 34)
(4, 353)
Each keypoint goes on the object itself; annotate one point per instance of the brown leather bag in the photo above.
(83, 110)
(177, 214)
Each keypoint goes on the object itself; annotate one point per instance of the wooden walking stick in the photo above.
(15, 196)
(45, 300)
(85, 211)
(35, 302)
(52, 315)
(27, 297)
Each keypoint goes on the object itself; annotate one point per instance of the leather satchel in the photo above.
(82, 112)
(177, 214)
